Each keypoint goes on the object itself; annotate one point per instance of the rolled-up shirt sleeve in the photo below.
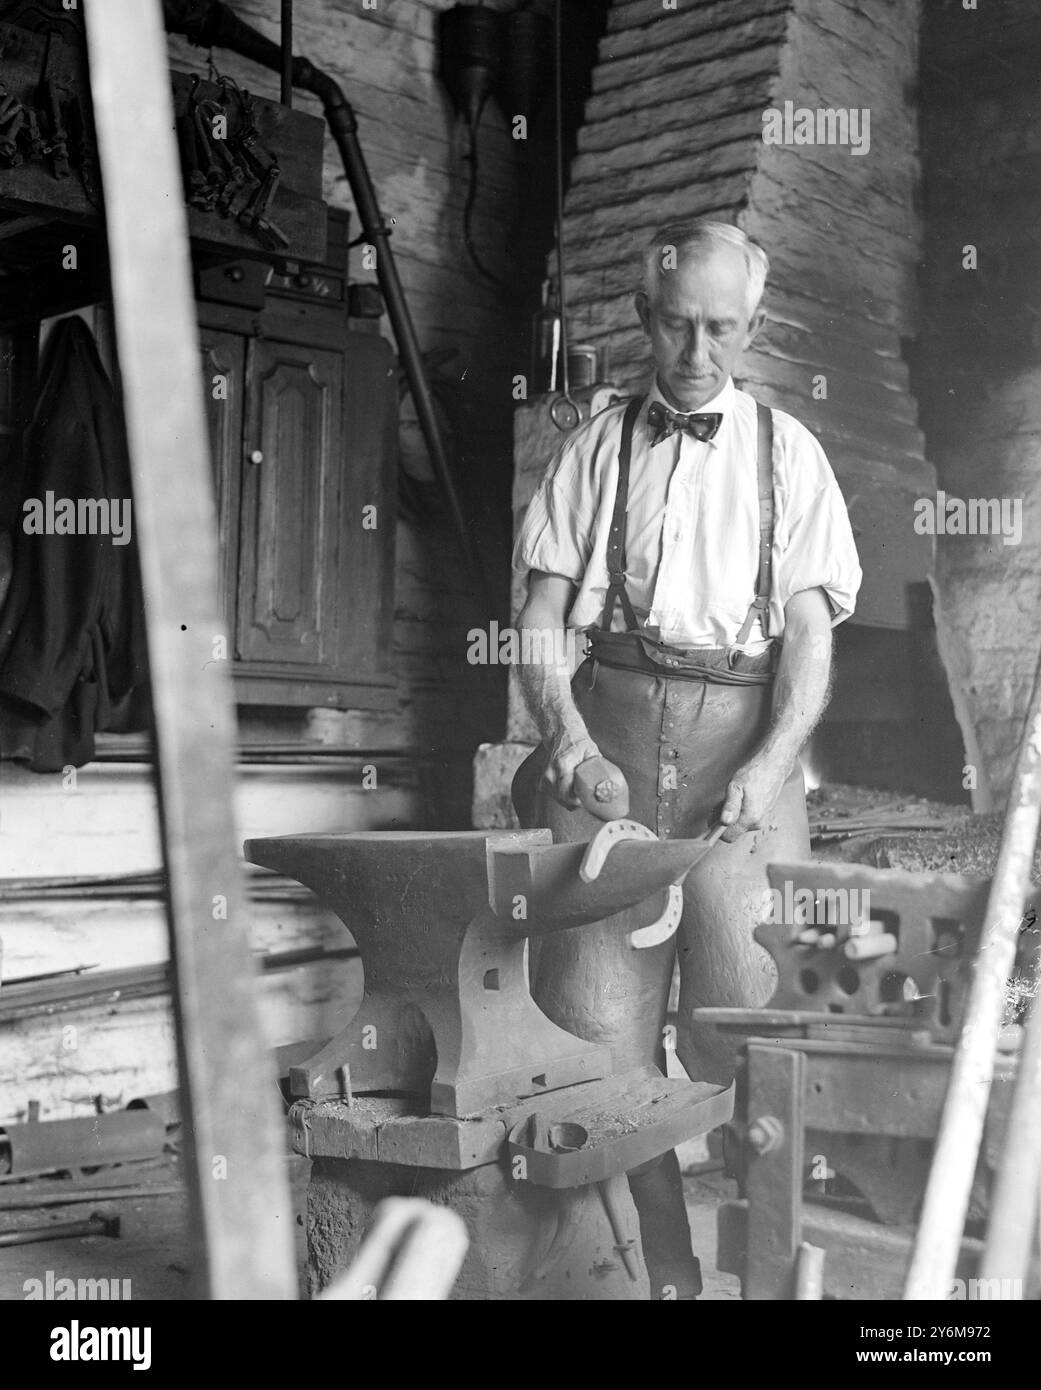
(817, 550)
(556, 534)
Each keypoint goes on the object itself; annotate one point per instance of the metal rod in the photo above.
(558, 105)
(63, 1230)
(287, 53)
(1014, 1204)
(938, 1238)
(68, 1195)
(240, 1206)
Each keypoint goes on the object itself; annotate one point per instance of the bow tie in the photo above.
(666, 422)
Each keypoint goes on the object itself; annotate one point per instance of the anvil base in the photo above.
(527, 1243)
(541, 1184)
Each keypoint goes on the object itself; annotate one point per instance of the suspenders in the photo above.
(765, 466)
(616, 539)
(616, 590)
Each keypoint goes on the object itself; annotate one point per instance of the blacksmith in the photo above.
(702, 543)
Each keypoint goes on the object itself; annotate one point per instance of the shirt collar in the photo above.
(721, 404)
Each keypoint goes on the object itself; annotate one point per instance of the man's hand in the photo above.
(800, 694)
(751, 796)
(547, 686)
(564, 758)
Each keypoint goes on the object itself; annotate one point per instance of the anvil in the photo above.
(442, 920)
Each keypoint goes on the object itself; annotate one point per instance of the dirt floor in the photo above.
(152, 1248)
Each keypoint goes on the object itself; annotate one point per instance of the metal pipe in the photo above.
(89, 1141)
(287, 53)
(939, 1233)
(68, 1194)
(212, 24)
(63, 1230)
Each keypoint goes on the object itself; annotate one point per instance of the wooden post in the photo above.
(1012, 1226)
(237, 1181)
(776, 1140)
(938, 1238)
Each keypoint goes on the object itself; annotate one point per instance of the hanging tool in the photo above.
(471, 49)
(12, 120)
(57, 145)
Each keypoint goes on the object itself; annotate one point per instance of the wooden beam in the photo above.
(238, 1184)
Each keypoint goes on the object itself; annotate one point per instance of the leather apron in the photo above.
(678, 734)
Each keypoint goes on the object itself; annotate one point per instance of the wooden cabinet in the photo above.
(303, 416)
(289, 544)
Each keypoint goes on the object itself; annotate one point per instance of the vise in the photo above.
(450, 1082)
(843, 1077)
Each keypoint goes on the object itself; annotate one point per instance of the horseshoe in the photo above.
(664, 927)
(612, 832)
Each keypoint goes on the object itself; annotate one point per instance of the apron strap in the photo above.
(760, 605)
(616, 590)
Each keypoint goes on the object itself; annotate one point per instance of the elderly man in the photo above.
(702, 543)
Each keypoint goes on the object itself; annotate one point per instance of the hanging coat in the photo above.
(72, 637)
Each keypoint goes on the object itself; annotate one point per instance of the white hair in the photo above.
(674, 244)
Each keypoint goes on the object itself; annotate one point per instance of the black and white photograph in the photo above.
(520, 668)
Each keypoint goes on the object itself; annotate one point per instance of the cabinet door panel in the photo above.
(290, 496)
(224, 365)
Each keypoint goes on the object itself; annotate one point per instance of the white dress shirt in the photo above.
(692, 543)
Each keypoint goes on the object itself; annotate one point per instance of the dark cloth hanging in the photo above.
(72, 634)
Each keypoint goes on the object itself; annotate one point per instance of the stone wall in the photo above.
(979, 358)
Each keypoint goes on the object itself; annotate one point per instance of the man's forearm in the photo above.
(547, 692)
(801, 689)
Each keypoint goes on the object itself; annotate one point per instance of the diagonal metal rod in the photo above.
(938, 1238)
(1014, 1205)
(237, 1181)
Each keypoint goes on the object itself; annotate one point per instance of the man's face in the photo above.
(698, 325)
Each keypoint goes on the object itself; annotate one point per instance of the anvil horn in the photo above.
(548, 878)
